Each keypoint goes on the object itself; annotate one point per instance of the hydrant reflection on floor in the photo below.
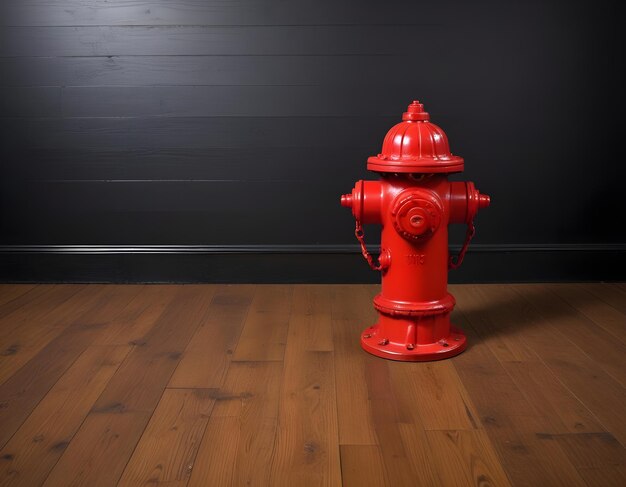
(414, 202)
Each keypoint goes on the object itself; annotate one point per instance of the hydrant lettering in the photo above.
(415, 259)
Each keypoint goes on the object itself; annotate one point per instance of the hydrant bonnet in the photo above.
(415, 145)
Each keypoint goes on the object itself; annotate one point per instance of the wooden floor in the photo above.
(211, 385)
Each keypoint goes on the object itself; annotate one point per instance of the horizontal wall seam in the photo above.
(288, 249)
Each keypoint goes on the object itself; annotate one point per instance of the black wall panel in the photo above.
(209, 130)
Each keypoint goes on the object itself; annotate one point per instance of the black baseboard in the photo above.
(277, 264)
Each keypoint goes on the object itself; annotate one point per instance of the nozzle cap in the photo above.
(346, 200)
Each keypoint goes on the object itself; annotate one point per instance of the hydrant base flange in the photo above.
(373, 343)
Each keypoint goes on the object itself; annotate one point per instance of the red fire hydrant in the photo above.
(414, 202)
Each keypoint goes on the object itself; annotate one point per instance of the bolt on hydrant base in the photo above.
(452, 345)
(414, 202)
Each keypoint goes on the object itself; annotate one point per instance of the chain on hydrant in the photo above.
(471, 231)
(360, 236)
(414, 202)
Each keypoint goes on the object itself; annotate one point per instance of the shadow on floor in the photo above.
(493, 310)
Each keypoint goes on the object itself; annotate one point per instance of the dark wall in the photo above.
(214, 128)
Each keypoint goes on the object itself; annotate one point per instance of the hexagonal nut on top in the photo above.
(416, 214)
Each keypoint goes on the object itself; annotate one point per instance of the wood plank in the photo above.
(548, 400)
(23, 346)
(9, 292)
(140, 381)
(362, 466)
(42, 301)
(205, 360)
(604, 477)
(591, 450)
(508, 418)
(30, 298)
(152, 133)
(501, 397)
(37, 445)
(546, 394)
(225, 163)
(583, 377)
(36, 331)
(424, 396)
(599, 457)
(221, 456)
(24, 389)
(553, 459)
(203, 71)
(498, 330)
(405, 462)
(264, 333)
(306, 451)
(466, 458)
(440, 402)
(103, 445)
(418, 454)
(352, 312)
(96, 460)
(601, 313)
(310, 325)
(597, 343)
(601, 394)
(131, 326)
(198, 101)
(214, 12)
(238, 444)
(251, 391)
(167, 449)
(203, 40)
(612, 295)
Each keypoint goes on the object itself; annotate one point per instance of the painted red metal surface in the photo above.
(414, 202)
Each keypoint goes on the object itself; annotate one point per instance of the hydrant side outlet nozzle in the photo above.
(414, 202)
(484, 201)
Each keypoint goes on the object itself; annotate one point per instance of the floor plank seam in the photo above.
(43, 395)
(89, 412)
(19, 296)
(564, 336)
(603, 298)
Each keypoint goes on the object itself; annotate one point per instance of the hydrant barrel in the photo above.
(414, 202)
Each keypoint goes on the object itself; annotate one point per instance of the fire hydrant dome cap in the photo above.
(415, 145)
